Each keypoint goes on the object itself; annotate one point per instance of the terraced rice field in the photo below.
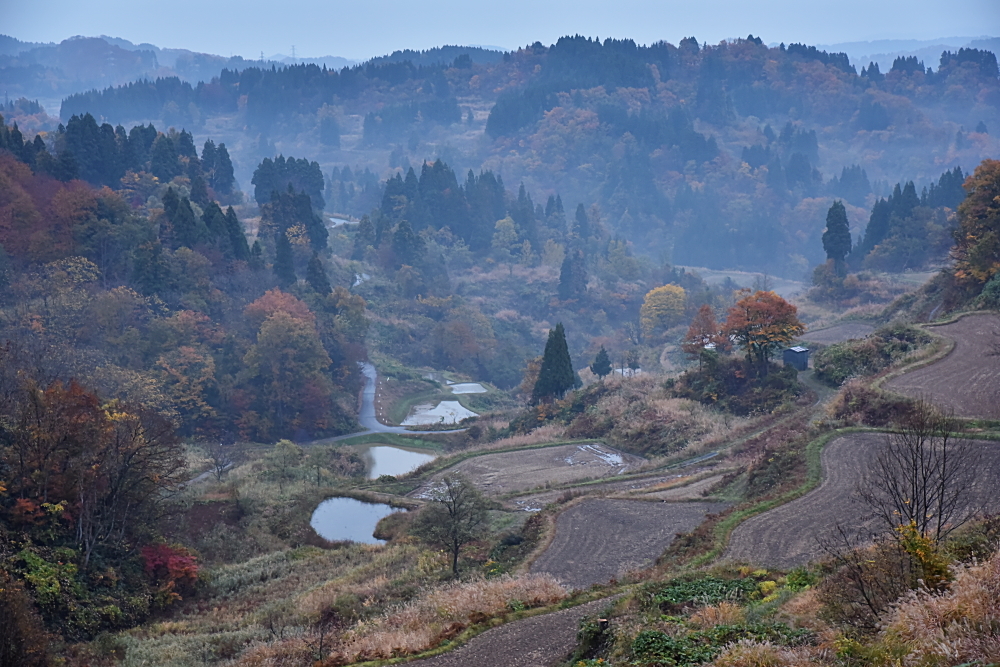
(509, 472)
(967, 380)
(600, 539)
(791, 534)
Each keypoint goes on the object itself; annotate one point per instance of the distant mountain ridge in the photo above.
(885, 51)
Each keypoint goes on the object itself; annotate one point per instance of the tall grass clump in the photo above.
(958, 626)
(443, 614)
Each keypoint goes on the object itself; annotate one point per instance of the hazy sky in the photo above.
(364, 29)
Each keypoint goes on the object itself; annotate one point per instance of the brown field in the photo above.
(667, 486)
(600, 539)
(790, 535)
(510, 472)
(838, 333)
(967, 381)
(547, 639)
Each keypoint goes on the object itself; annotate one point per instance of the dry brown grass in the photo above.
(749, 653)
(541, 435)
(961, 625)
(724, 613)
(443, 614)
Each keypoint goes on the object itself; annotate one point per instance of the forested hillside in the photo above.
(723, 155)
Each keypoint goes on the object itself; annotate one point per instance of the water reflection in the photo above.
(386, 460)
(337, 519)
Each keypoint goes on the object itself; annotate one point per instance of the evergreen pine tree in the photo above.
(555, 377)
(573, 276)
(581, 227)
(316, 276)
(602, 364)
(237, 238)
(837, 237)
(163, 161)
(223, 180)
(364, 238)
(256, 256)
(284, 266)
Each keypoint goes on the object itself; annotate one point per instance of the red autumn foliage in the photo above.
(173, 568)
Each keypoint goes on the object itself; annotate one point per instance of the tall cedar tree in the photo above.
(556, 376)
(837, 237)
(760, 323)
(316, 276)
(573, 276)
(602, 364)
(284, 266)
(703, 331)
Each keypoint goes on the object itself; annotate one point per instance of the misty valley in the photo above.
(588, 353)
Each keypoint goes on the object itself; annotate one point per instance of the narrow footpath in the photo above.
(538, 641)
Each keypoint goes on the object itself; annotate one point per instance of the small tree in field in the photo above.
(761, 323)
(922, 479)
(704, 330)
(455, 517)
(602, 363)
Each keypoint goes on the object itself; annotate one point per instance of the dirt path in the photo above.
(600, 539)
(539, 641)
(967, 380)
(790, 535)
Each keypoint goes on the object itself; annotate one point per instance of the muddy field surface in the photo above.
(790, 535)
(966, 381)
(601, 539)
(613, 487)
(838, 333)
(510, 472)
(539, 641)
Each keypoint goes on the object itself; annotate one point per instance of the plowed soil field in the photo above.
(506, 472)
(967, 381)
(600, 539)
(790, 535)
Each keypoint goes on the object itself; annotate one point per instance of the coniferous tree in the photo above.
(573, 276)
(316, 276)
(284, 266)
(256, 256)
(837, 237)
(224, 179)
(364, 238)
(163, 159)
(237, 238)
(556, 376)
(581, 226)
(602, 364)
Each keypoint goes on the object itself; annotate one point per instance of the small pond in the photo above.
(337, 519)
(386, 460)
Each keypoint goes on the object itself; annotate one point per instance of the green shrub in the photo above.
(706, 590)
(733, 385)
(653, 647)
(856, 358)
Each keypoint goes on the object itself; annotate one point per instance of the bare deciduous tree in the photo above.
(223, 458)
(455, 517)
(923, 476)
